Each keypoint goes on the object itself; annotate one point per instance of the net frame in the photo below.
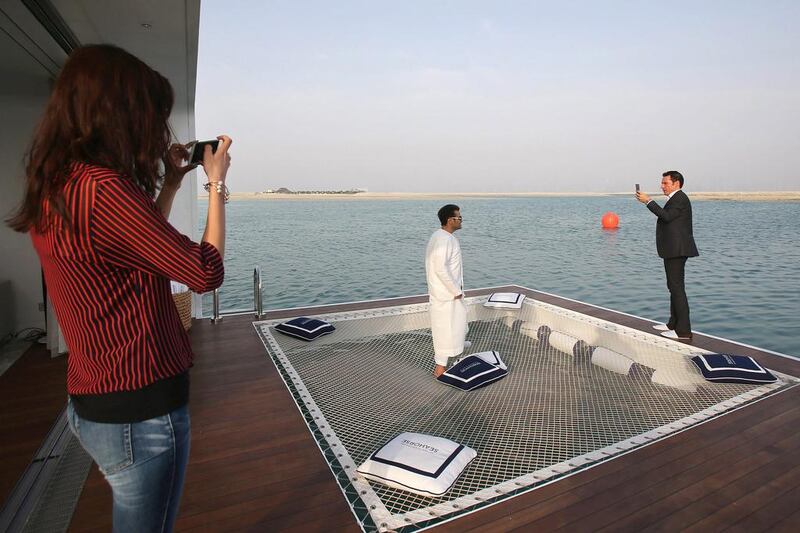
(369, 503)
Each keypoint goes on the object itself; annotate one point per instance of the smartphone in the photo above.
(197, 149)
(637, 187)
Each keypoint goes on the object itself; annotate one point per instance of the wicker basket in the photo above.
(183, 301)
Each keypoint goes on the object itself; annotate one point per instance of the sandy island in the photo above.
(761, 196)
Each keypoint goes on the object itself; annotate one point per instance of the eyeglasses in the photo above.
(458, 218)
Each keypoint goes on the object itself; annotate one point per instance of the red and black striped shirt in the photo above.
(108, 279)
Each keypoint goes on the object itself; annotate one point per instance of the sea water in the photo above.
(744, 286)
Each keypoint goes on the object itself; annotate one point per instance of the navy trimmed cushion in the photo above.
(505, 300)
(474, 371)
(305, 328)
(419, 463)
(727, 368)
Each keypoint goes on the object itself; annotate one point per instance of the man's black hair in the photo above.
(446, 212)
(674, 175)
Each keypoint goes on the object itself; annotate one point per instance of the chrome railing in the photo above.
(259, 307)
(215, 316)
(258, 302)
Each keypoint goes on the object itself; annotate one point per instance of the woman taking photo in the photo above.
(99, 156)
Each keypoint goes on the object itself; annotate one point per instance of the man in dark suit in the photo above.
(675, 244)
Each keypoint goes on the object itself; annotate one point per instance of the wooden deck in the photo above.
(32, 394)
(255, 467)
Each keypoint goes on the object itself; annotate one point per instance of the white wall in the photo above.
(183, 214)
(184, 208)
(24, 91)
(30, 60)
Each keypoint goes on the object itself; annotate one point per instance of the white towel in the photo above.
(178, 288)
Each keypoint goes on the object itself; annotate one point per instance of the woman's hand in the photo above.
(216, 164)
(175, 166)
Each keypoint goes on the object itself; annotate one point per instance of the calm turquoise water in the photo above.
(744, 286)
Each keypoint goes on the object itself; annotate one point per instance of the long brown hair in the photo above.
(107, 108)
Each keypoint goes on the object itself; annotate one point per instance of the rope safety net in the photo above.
(579, 391)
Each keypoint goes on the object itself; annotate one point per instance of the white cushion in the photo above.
(419, 463)
(562, 342)
(531, 329)
(611, 360)
(505, 300)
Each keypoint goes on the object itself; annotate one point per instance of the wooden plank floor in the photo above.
(255, 467)
(32, 394)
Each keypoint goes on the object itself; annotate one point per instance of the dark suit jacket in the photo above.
(674, 227)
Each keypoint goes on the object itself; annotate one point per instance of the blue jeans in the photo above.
(144, 462)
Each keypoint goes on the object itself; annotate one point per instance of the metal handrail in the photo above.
(259, 308)
(258, 301)
(216, 317)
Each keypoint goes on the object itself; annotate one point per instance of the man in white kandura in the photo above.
(445, 275)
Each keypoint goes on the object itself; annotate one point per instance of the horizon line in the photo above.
(375, 195)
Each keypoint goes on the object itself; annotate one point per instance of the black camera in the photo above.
(196, 150)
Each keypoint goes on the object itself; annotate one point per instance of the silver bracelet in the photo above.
(219, 188)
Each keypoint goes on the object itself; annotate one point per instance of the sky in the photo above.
(502, 96)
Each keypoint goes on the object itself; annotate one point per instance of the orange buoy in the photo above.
(610, 221)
